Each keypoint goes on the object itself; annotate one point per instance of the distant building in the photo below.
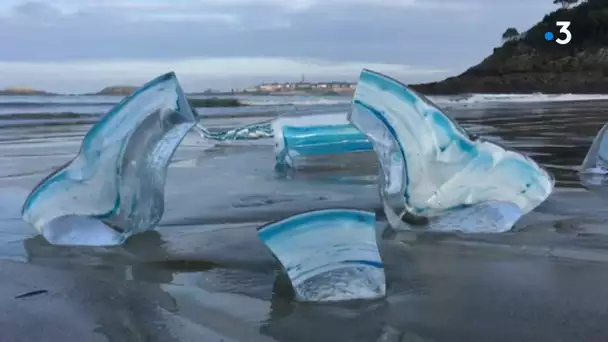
(268, 87)
(303, 85)
(336, 86)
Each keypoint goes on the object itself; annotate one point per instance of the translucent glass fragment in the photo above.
(250, 132)
(315, 135)
(114, 187)
(433, 174)
(299, 136)
(593, 172)
(596, 160)
(328, 255)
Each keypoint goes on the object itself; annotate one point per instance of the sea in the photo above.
(204, 276)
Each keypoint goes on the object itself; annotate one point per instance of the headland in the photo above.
(529, 62)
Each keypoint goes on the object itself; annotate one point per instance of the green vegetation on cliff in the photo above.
(528, 62)
(588, 24)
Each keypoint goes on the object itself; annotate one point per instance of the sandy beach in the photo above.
(204, 275)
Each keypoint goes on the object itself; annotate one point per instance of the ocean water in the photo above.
(204, 276)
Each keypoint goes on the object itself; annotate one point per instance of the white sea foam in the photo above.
(276, 100)
(305, 101)
(519, 98)
(455, 99)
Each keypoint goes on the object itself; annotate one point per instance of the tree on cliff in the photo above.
(565, 3)
(510, 34)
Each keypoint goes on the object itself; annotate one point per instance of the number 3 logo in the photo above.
(564, 29)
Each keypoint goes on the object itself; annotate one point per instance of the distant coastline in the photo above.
(118, 90)
(286, 89)
(23, 91)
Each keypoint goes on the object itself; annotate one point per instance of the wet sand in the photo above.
(188, 289)
(204, 276)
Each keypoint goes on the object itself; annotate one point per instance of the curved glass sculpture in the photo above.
(433, 173)
(114, 187)
(328, 255)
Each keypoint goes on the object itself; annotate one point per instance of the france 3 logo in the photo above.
(566, 35)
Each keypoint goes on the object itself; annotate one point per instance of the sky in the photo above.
(76, 46)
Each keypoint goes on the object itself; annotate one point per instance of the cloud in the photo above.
(195, 74)
(389, 31)
(281, 5)
(422, 34)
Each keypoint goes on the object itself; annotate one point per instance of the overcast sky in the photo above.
(84, 45)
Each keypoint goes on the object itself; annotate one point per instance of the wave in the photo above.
(519, 98)
(450, 100)
(33, 104)
(298, 102)
(282, 100)
(59, 99)
(457, 99)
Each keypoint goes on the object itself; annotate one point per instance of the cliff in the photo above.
(529, 63)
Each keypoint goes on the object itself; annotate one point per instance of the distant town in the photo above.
(289, 88)
(301, 87)
(275, 88)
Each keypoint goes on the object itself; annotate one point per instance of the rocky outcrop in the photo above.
(528, 70)
(117, 90)
(22, 91)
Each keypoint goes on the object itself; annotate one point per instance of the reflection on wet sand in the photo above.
(130, 294)
(194, 280)
(439, 286)
(118, 309)
(443, 292)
